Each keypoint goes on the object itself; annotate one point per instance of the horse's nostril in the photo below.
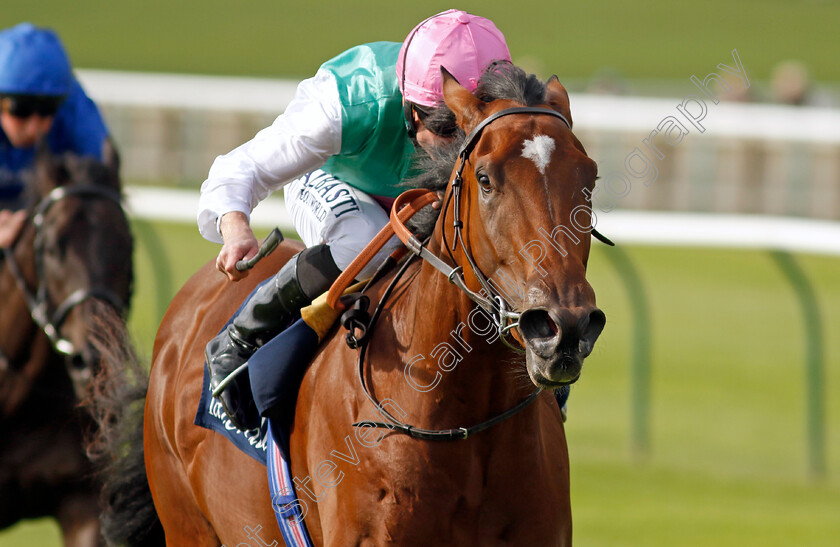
(595, 322)
(537, 324)
(590, 329)
(77, 362)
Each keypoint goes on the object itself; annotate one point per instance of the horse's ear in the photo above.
(465, 106)
(110, 156)
(557, 98)
(111, 160)
(45, 169)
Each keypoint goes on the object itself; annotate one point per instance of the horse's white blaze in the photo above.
(539, 150)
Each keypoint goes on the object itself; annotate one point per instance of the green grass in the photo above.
(617, 503)
(728, 460)
(651, 39)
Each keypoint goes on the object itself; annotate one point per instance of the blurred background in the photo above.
(708, 414)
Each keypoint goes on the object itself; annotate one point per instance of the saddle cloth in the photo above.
(276, 371)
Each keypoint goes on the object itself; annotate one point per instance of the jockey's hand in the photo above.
(10, 224)
(240, 244)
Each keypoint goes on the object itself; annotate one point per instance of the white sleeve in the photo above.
(299, 141)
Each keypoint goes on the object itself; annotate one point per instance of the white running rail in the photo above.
(639, 227)
(596, 112)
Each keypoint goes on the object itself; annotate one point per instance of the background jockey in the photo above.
(39, 100)
(340, 149)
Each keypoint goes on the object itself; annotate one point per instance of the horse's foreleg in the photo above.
(182, 520)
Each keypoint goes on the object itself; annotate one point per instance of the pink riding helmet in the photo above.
(462, 43)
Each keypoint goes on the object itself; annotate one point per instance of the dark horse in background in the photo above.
(521, 177)
(65, 286)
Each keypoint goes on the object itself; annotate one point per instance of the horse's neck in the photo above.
(458, 364)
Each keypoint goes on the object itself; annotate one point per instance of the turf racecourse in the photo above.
(727, 463)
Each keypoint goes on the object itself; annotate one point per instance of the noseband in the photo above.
(37, 301)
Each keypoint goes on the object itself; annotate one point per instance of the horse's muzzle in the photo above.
(557, 342)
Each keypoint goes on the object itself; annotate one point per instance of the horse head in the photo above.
(526, 220)
(82, 255)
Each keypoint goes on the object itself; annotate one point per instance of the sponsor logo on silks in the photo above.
(307, 198)
(332, 193)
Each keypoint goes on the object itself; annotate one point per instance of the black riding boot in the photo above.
(269, 310)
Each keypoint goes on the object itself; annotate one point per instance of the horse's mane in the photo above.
(70, 169)
(115, 446)
(504, 80)
(501, 80)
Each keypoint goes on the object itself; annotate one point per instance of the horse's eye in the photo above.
(54, 251)
(484, 182)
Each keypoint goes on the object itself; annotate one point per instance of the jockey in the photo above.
(39, 99)
(340, 150)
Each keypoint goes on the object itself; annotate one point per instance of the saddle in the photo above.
(271, 386)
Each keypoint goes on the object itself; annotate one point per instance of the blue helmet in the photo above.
(33, 62)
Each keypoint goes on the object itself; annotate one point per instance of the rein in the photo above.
(487, 298)
(37, 301)
(394, 423)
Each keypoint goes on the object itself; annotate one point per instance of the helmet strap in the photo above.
(408, 114)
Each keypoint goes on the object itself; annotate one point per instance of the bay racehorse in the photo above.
(65, 286)
(513, 233)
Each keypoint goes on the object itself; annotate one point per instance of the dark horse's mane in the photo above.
(116, 400)
(501, 80)
(67, 170)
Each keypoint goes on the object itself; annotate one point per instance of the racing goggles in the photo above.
(24, 106)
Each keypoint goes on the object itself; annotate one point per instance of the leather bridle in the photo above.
(37, 300)
(487, 297)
